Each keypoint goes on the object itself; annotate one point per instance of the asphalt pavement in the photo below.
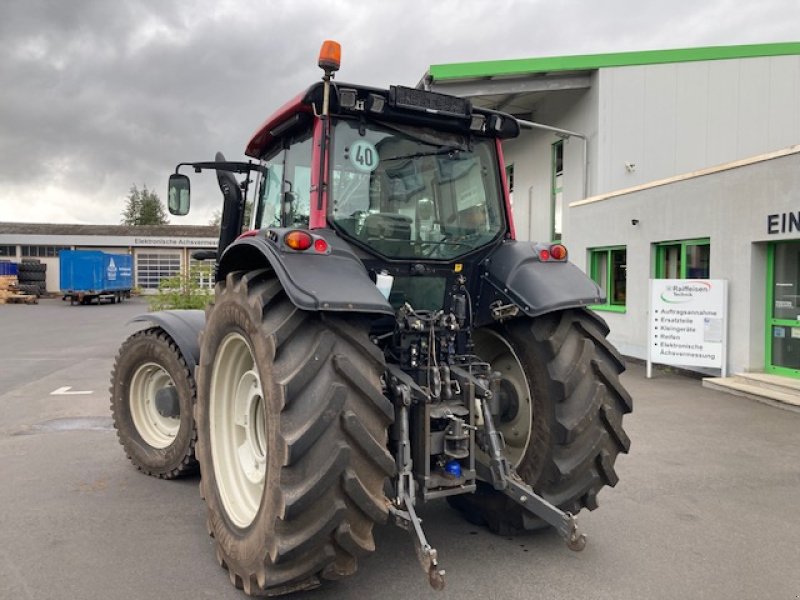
(707, 507)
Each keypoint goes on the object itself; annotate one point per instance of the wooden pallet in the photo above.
(8, 282)
(19, 299)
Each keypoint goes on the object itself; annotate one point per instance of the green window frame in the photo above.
(775, 321)
(683, 259)
(557, 190)
(608, 267)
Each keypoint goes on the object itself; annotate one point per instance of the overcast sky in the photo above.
(98, 95)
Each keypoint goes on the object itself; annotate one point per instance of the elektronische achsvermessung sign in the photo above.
(688, 323)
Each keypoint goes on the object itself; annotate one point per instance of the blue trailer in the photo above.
(86, 275)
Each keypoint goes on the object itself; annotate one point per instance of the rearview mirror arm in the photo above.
(233, 167)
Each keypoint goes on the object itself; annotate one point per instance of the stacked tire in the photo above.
(32, 275)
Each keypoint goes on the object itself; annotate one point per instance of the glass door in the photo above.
(783, 309)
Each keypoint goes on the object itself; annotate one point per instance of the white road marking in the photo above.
(65, 391)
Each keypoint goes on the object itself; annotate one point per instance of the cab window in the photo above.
(284, 197)
(407, 192)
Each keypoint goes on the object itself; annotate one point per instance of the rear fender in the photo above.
(184, 327)
(336, 281)
(514, 275)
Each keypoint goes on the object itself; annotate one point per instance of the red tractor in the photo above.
(378, 339)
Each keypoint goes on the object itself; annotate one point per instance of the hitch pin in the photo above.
(466, 426)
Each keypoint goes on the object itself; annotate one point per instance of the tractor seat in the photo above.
(388, 233)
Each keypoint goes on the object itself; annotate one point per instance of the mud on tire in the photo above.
(577, 404)
(159, 446)
(293, 470)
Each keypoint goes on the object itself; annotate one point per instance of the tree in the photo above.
(144, 207)
(185, 290)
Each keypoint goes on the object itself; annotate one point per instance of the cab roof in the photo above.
(397, 104)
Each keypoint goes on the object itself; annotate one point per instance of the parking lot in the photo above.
(707, 504)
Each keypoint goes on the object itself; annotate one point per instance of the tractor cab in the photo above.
(412, 180)
(395, 188)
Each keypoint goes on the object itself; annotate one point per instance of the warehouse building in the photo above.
(158, 251)
(662, 164)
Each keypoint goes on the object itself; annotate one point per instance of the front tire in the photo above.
(561, 414)
(158, 442)
(293, 437)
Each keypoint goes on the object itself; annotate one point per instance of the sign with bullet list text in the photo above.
(688, 323)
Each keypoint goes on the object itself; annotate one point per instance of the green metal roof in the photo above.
(588, 62)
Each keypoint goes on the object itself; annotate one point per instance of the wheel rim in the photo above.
(157, 430)
(238, 430)
(515, 421)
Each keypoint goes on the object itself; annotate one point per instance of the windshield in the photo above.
(414, 193)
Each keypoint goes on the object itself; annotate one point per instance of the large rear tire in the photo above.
(158, 437)
(561, 414)
(293, 433)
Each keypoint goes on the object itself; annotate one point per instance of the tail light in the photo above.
(300, 240)
(551, 252)
(558, 252)
(544, 254)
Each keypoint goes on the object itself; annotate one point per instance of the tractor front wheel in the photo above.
(293, 433)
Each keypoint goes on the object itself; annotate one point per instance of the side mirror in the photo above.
(178, 196)
(288, 199)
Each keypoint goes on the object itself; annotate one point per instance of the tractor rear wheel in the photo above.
(152, 402)
(561, 414)
(293, 433)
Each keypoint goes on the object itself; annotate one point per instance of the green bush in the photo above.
(184, 290)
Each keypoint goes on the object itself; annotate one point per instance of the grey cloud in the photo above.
(99, 95)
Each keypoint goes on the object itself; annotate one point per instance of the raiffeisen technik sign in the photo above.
(688, 323)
